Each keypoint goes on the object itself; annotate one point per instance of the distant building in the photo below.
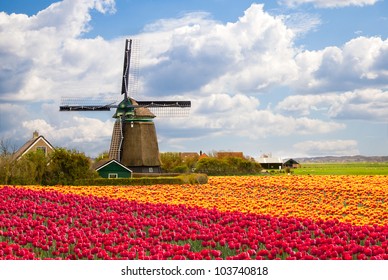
(270, 162)
(111, 168)
(291, 163)
(36, 143)
(202, 155)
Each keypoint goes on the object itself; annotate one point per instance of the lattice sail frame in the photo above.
(133, 71)
(166, 109)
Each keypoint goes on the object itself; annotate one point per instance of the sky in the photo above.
(290, 78)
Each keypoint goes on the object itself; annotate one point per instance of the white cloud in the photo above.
(224, 103)
(365, 104)
(239, 115)
(327, 147)
(10, 116)
(329, 3)
(370, 104)
(42, 55)
(302, 23)
(69, 18)
(304, 104)
(360, 63)
(206, 56)
(254, 54)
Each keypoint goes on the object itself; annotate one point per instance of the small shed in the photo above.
(270, 163)
(112, 169)
(291, 163)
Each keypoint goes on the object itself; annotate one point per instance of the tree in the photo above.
(212, 166)
(191, 162)
(173, 162)
(30, 169)
(227, 166)
(6, 166)
(169, 161)
(67, 166)
(103, 155)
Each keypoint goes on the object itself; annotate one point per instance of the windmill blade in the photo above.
(126, 65)
(86, 104)
(170, 112)
(165, 104)
(134, 69)
(167, 108)
(130, 68)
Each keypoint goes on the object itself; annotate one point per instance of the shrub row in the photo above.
(141, 175)
(182, 179)
(129, 181)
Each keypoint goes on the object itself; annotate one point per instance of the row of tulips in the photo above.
(39, 224)
(358, 200)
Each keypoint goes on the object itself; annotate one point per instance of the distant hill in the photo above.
(341, 159)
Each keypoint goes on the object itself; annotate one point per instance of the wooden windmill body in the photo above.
(134, 141)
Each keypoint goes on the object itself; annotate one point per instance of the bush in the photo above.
(180, 169)
(212, 166)
(227, 166)
(128, 181)
(194, 178)
(67, 166)
(143, 181)
(173, 162)
(170, 161)
(30, 169)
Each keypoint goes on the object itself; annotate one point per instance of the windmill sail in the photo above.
(86, 104)
(127, 63)
(158, 108)
(130, 68)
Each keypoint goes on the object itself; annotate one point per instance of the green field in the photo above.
(366, 168)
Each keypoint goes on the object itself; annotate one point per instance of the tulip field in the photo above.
(253, 217)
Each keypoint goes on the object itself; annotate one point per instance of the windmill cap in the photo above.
(125, 108)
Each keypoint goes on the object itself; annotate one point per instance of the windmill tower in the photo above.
(134, 140)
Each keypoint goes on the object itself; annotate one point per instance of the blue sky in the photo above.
(288, 77)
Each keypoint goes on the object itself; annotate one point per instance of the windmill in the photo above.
(134, 141)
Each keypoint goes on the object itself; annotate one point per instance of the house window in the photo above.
(42, 148)
(150, 170)
(113, 175)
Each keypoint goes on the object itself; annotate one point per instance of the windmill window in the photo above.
(113, 175)
(42, 148)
